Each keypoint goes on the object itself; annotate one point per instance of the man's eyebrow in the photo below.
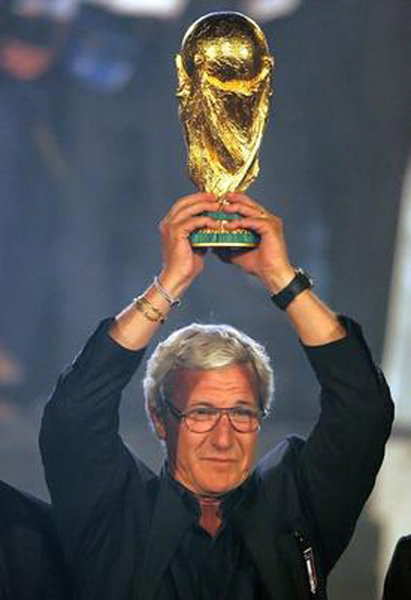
(205, 403)
(208, 404)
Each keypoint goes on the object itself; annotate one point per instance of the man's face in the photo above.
(218, 460)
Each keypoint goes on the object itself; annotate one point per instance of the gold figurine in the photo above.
(224, 73)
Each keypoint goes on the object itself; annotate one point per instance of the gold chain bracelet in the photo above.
(149, 311)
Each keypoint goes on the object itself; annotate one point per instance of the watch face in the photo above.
(305, 274)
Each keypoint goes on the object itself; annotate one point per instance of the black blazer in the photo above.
(120, 524)
(31, 560)
(397, 585)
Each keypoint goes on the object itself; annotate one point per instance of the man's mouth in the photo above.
(219, 460)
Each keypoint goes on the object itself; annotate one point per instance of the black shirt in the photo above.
(206, 567)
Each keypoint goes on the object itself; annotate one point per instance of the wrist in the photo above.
(275, 281)
(175, 286)
(300, 283)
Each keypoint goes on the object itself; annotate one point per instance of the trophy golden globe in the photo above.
(224, 73)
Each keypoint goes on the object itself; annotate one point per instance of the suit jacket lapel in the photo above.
(257, 537)
(170, 520)
(273, 552)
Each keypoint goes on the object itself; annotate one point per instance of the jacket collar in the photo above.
(170, 521)
(176, 509)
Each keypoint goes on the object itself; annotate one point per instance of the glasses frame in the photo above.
(182, 416)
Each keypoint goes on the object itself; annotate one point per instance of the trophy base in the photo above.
(222, 238)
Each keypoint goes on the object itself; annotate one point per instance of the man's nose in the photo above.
(223, 432)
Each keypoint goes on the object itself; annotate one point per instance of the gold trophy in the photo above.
(224, 73)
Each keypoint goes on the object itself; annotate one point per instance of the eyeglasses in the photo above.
(205, 418)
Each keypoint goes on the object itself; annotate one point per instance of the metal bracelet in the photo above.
(149, 311)
(166, 295)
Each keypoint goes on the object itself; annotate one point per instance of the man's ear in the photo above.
(158, 423)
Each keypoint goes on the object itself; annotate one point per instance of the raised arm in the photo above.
(83, 454)
(135, 325)
(314, 322)
(341, 458)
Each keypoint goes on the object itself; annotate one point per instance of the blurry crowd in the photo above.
(92, 156)
(72, 149)
(86, 165)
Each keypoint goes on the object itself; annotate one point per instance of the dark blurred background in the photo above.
(92, 156)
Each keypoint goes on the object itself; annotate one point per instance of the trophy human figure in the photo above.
(224, 72)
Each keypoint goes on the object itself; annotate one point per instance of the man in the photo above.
(209, 526)
(397, 584)
(31, 561)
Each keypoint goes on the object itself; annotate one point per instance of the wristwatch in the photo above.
(302, 281)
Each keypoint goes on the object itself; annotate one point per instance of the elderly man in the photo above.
(211, 525)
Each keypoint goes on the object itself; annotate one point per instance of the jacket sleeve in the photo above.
(397, 584)
(341, 458)
(86, 463)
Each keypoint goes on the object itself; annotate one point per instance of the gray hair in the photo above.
(205, 347)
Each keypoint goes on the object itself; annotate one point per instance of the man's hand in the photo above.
(313, 321)
(269, 260)
(182, 263)
(132, 328)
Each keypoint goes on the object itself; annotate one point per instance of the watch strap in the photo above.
(302, 281)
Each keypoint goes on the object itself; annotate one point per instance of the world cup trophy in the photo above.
(224, 71)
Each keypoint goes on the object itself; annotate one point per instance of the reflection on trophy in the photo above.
(224, 72)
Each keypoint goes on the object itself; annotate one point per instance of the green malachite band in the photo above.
(211, 239)
(247, 239)
(222, 216)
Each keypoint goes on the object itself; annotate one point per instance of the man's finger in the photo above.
(248, 210)
(188, 201)
(260, 225)
(193, 223)
(244, 200)
(192, 210)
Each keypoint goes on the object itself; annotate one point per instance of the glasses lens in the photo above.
(202, 420)
(244, 419)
